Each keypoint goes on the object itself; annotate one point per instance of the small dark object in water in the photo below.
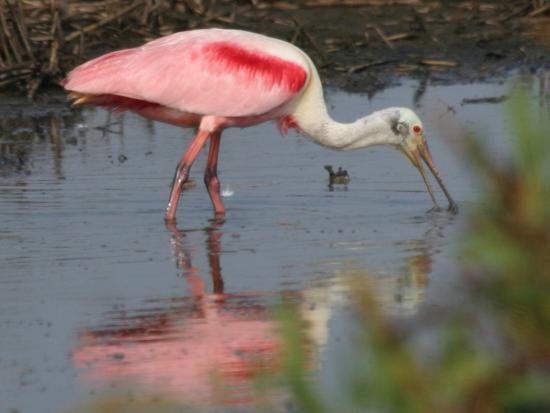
(340, 177)
(492, 99)
(190, 184)
(122, 158)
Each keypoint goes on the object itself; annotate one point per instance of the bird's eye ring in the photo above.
(417, 129)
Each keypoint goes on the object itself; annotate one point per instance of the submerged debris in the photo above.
(189, 184)
(491, 99)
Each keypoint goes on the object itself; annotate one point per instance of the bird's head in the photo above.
(408, 136)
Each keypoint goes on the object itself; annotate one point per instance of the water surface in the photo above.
(98, 296)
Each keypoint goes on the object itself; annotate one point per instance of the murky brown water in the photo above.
(98, 296)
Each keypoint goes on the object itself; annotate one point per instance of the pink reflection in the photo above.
(204, 348)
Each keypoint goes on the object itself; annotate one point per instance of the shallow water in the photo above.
(98, 296)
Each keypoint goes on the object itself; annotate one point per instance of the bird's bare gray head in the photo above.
(407, 135)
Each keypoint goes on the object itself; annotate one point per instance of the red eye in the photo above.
(417, 129)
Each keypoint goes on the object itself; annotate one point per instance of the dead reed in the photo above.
(40, 40)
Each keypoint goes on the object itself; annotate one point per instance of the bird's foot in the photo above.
(453, 208)
(436, 209)
(169, 219)
(218, 219)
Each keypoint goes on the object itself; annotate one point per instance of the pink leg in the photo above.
(213, 247)
(211, 174)
(182, 173)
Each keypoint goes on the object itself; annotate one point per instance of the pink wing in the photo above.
(207, 72)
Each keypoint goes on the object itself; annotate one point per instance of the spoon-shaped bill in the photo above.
(422, 152)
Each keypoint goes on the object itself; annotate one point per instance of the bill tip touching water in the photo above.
(213, 79)
(413, 145)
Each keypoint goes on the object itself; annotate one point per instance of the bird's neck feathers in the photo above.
(315, 123)
(370, 130)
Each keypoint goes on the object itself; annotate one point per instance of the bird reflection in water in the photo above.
(211, 347)
(206, 348)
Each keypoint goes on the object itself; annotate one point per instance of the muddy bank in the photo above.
(359, 45)
(366, 48)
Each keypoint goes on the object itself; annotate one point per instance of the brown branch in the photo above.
(383, 36)
(7, 37)
(442, 63)
(539, 11)
(356, 3)
(18, 18)
(104, 21)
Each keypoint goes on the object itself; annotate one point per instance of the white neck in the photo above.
(315, 123)
(365, 131)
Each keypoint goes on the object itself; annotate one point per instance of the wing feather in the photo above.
(207, 72)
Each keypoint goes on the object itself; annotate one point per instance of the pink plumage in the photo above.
(196, 72)
(209, 79)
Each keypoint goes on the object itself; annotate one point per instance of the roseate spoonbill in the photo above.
(212, 79)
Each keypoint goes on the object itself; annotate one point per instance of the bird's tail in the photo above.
(113, 102)
(78, 99)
